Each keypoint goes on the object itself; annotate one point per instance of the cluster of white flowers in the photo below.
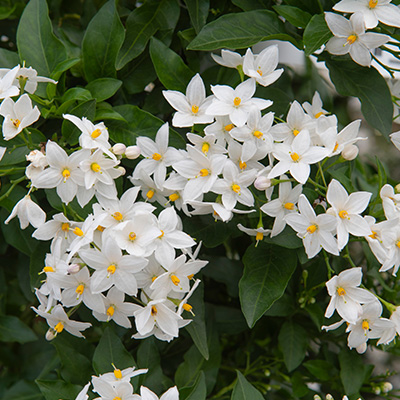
(350, 36)
(117, 385)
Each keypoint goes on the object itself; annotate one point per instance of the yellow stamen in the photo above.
(190, 276)
(16, 122)
(365, 325)
(162, 233)
(78, 231)
(48, 269)
(154, 278)
(229, 127)
(242, 165)
(205, 148)
(398, 244)
(204, 172)
(372, 3)
(319, 114)
(110, 311)
(153, 310)
(66, 173)
(258, 134)
(111, 269)
(187, 307)
(96, 133)
(59, 327)
(289, 206)
(95, 167)
(296, 132)
(235, 188)
(312, 228)
(350, 39)
(117, 398)
(195, 109)
(117, 216)
(237, 101)
(173, 196)
(100, 228)
(156, 156)
(117, 373)
(259, 236)
(132, 236)
(150, 194)
(175, 280)
(336, 146)
(340, 291)
(259, 71)
(295, 157)
(80, 289)
(374, 235)
(343, 214)
(65, 227)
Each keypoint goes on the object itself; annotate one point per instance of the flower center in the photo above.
(153, 310)
(48, 269)
(111, 269)
(259, 236)
(205, 148)
(318, 114)
(95, 167)
(65, 227)
(295, 157)
(259, 71)
(242, 165)
(187, 307)
(117, 373)
(365, 325)
(237, 101)
(100, 228)
(156, 156)
(372, 3)
(110, 311)
(343, 214)
(132, 236)
(340, 291)
(374, 235)
(351, 39)
(204, 172)
(174, 196)
(59, 327)
(150, 194)
(296, 132)
(96, 133)
(175, 280)
(336, 146)
(235, 188)
(162, 233)
(258, 134)
(229, 127)
(312, 228)
(117, 216)
(195, 109)
(80, 289)
(78, 231)
(66, 174)
(16, 122)
(289, 206)
(398, 244)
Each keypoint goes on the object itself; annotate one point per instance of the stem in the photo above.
(14, 183)
(347, 255)
(322, 174)
(328, 265)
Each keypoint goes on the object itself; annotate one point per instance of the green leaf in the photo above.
(23, 390)
(198, 12)
(321, 369)
(350, 79)
(13, 329)
(196, 392)
(36, 43)
(249, 5)
(244, 390)
(64, 66)
(102, 42)
(110, 350)
(69, 131)
(294, 15)
(103, 88)
(173, 73)
(267, 270)
(56, 390)
(287, 238)
(8, 59)
(143, 23)
(36, 264)
(299, 387)
(316, 34)
(76, 93)
(293, 341)
(5, 12)
(240, 30)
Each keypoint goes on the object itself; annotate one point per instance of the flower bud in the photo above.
(122, 170)
(262, 183)
(350, 152)
(50, 334)
(73, 268)
(37, 158)
(132, 152)
(387, 387)
(118, 149)
(397, 188)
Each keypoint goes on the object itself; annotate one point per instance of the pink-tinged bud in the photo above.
(119, 149)
(262, 183)
(73, 268)
(350, 152)
(50, 334)
(132, 152)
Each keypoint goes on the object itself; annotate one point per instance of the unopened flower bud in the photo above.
(329, 397)
(350, 152)
(122, 169)
(376, 390)
(50, 334)
(267, 373)
(73, 268)
(118, 149)
(316, 397)
(387, 387)
(132, 152)
(397, 188)
(262, 183)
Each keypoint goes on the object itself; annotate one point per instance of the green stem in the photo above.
(328, 265)
(322, 174)
(347, 255)
(13, 184)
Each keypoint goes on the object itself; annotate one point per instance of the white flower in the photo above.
(350, 37)
(191, 109)
(170, 394)
(107, 391)
(28, 212)
(18, 115)
(315, 109)
(228, 59)
(82, 395)
(7, 87)
(259, 233)
(31, 78)
(118, 376)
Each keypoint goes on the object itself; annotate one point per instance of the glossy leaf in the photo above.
(55, 390)
(196, 392)
(294, 15)
(12, 329)
(316, 34)
(244, 390)
(103, 88)
(249, 5)
(198, 12)
(8, 59)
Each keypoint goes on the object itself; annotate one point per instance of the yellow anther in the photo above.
(187, 307)
(336, 146)
(100, 228)
(48, 269)
(229, 127)
(319, 114)
(195, 109)
(117, 216)
(296, 132)
(110, 311)
(162, 233)
(289, 206)
(80, 289)
(340, 291)
(150, 194)
(117, 373)
(235, 188)
(153, 310)
(374, 235)
(312, 228)
(242, 165)
(343, 214)
(365, 325)
(350, 39)
(175, 280)
(156, 156)
(96, 133)
(259, 71)
(59, 327)
(237, 101)
(174, 196)
(205, 148)
(190, 276)
(398, 244)
(154, 278)
(204, 172)
(111, 269)
(66, 173)
(259, 236)
(258, 134)
(16, 122)
(95, 167)
(117, 398)
(65, 227)
(132, 236)
(372, 3)
(78, 231)
(295, 157)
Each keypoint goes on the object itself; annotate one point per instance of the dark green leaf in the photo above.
(299, 387)
(321, 369)
(240, 30)
(173, 73)
(293, 341)
(316, 34)
(229, 320)
(102, 42)
(56, 390)
(37, 45)
(23, 390)
(13, 329)
(249, 5)
(103, 88)
(294, 15)
(37, 263)
(197, 392)
(8, 59)
(5, 12)
(244, 390)
(143, 23)
(64, 66)
(198, 12)
(287, 238)
(267, 270)
(107, 113)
